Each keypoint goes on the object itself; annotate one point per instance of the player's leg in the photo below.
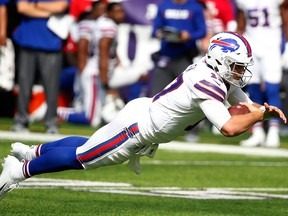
(27, 153)
(113, 142)
(50, 68)
(27, 66)
(256, 94)
(92, 100)
(116, 142)
(273, 78)
(55, 160)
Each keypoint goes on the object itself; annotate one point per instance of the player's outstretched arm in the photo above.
(238, 124)
(274, 112)
(270, 111)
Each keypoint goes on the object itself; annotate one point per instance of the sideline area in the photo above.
(172, 146)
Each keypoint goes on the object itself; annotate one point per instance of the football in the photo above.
(238, 109)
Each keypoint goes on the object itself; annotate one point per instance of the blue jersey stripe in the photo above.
(216, 88)
(208, 92)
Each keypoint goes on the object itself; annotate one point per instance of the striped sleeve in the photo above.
(210, 90)
(85, 30)
(108, 28)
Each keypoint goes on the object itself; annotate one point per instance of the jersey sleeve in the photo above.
(85, 29)
(108, 28)
(215, 112)
(204, 83)
(238, 95)
(209, 90)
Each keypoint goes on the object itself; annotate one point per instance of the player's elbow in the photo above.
(229, 130)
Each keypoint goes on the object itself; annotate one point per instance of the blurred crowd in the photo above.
(80, 61)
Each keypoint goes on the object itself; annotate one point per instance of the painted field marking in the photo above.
(172, 146)
(172, 192)
(215, 163)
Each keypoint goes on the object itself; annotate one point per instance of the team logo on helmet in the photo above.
(227, 45)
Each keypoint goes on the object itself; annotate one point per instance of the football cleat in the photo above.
(257, 139)
(20, 128)
(273, 138)
(23, 152)
(11, 175)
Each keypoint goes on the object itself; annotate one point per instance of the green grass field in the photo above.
(172, 183)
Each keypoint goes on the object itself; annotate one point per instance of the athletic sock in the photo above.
(57, 159)
(72, 141)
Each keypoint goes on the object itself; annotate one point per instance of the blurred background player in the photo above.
(7, 54)
(39, 49)
(100, 72)
(178, 24)
(3, 22)
(88, 110)
(261, 24)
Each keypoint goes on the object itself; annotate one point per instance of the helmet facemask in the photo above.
(236, 73)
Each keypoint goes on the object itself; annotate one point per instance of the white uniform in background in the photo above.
(92, 94)
(264, 33)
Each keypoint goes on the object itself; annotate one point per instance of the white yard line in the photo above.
(172, 146)
(173, 192)
(216, 163)
(225, 149)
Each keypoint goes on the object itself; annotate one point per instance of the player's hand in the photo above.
(251, 107)
(272, 111)
(159, 34)
(113, 92)
(185, 36)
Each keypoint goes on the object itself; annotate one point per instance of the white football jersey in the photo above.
(87, 29)
(197, 93)
(263, 22)
(93, 31)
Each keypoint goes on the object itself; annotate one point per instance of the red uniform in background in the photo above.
(219, 17)
(222, 15)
